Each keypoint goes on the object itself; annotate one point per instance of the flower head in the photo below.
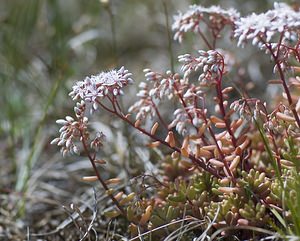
(264, 26)
(191, 20)
(96, 87)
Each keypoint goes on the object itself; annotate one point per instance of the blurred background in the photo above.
(45, 46)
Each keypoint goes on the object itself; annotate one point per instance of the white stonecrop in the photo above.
(96, 87)
(191, 20)
(281, 19)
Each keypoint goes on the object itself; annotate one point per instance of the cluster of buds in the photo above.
(80, 109)
(97, 142)
(162, 84)
(189, 118)
(282, 119)
(210, 62)
(71, 132)
(181, 121)
(250, 109)
(157, 87)
(282, 52)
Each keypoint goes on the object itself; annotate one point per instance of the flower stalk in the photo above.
(102, 182)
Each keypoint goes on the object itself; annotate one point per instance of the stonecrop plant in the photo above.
(231, 161)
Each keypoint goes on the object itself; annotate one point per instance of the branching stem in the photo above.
(198, 161)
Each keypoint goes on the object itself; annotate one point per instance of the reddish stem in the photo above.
(284, 84)
(221, 104)
(159, 116)
(195, 160)
(205, 39)
(92, 160)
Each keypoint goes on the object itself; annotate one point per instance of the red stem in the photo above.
(221, 104)
(284, 84)
(92, 160)
(195, 160)
(205, 39)
(159, 116)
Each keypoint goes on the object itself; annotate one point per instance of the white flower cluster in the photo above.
(264, 26)
(96, 87)
(190, 21)
(91, 90)
(210, 62)
(70, 132)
